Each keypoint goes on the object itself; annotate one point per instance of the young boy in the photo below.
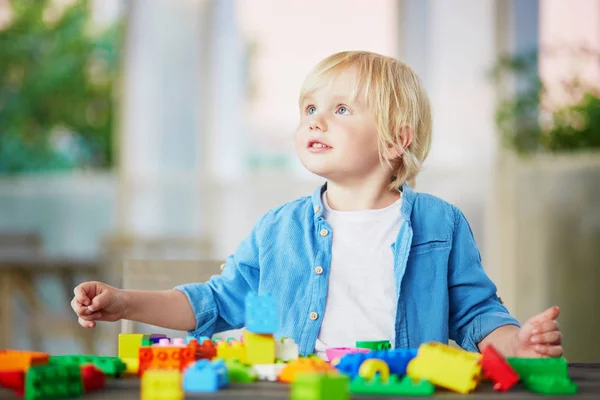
(365, 257)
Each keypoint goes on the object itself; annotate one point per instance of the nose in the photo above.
(317, 123)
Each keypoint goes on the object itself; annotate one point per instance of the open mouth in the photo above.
(318, 145)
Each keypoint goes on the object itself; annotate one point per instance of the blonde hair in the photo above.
(396, 97)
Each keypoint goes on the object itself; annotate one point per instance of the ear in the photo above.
(404, 139)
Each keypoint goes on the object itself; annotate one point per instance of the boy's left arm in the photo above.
(538, 337)
(478, 318)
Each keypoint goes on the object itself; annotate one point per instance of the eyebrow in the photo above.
(336, 99)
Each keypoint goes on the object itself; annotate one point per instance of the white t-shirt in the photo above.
(361, 298)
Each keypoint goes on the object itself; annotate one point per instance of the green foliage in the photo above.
(531, 121)
(56, 82)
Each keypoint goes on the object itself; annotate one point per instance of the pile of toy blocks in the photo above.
(169, 368)
(412, 372)
(41, 376)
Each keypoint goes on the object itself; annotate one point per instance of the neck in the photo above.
(357, 197)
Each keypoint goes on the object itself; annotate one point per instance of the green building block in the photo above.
(111, 366)
(374, 345)
(394, 387)
(53, 382)
(238, 372)
(527, 367)
(549, 384)
(315, 386)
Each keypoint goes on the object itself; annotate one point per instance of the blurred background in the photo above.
(160, 130)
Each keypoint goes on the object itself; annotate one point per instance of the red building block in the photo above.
(206, 351)
(498, 370)
(14, 380)
(93, 378)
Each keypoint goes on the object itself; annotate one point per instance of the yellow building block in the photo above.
(162, 384)
(260, 349)
(233, 350)
(130, 343)
(132, 365)
(446, 366)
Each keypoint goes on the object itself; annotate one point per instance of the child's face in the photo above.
(337, 136)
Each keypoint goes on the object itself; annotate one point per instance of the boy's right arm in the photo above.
(96, 301)
(204, 308)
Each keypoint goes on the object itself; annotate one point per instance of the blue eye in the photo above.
(343, 110)
(310, 110)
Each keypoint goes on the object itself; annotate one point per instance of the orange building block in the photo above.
(304, 365)
(166, 357)
(15, 360)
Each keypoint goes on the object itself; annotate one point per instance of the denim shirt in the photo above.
(441, 287)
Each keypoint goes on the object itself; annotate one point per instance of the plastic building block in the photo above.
(498, 370)
(110, 366)
(268, 372)
(53, 382)
(156, 337)
(286, 349)
(260, 349)
(132, 365)
(548, 384)
(374, 367)
(395, 386)
(526, 367)
(205, 376)
(13, 380)
(337, 353)
(396, 359)
(239, 372)
(374, 345)
(161, 385)
(166, 356)
(446, 366)
(304, 365)
(320, 387)
(93, 378)
(204, 351)
(130, 343)
(261, 313)
(232, 350)
(11, 360)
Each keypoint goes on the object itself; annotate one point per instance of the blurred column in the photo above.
(165, 101)
(227, 93)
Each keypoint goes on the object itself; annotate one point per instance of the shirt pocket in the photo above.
(426, 244)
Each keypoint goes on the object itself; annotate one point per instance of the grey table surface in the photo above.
(587, 377)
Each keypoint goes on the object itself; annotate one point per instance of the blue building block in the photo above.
(205, 376)
(261, 314)
(396, 359)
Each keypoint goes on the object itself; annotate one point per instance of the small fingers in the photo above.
(79, 308)
(549, 314)
(81, 296)
(549, 350)
(86, 324)
(92, 317)
(552, 337)
(546, 326)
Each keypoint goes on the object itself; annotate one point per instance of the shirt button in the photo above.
(317, 208)
(324, 232)
(314, 315)
(319, 270)
(222, 266)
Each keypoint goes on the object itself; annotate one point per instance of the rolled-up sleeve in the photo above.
(219, 303)
(475, 309)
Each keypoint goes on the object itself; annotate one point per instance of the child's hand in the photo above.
(96, 301)
(540, 337)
